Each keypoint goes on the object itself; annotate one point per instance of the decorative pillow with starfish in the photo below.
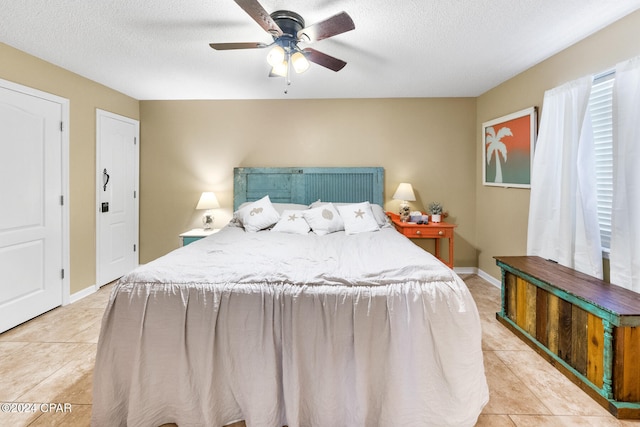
(292, 221)
(358, 218)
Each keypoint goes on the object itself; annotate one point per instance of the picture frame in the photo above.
(507, 149)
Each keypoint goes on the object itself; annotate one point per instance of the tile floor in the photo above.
(50, 360)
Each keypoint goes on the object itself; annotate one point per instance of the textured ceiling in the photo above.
(159, 49)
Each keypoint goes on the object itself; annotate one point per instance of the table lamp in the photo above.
(209, 202)
(405, 194)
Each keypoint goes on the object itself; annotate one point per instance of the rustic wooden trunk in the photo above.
(585, 327)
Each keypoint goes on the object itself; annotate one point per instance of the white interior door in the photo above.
(117, 179)
(31, 206)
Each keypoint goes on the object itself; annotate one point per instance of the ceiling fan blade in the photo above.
(229, 46)
(257, 12)
(337, 24)
(323, 59)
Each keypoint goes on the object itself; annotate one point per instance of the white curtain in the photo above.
(625, 216)
(563, 222)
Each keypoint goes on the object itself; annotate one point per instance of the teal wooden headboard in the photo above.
(306, 185)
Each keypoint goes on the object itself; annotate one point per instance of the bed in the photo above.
(354, 327)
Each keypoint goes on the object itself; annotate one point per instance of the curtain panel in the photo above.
(625, 215)
(563, 222)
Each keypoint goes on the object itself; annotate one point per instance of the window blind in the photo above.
(601, 110)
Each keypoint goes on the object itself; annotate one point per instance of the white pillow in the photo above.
(324, 219)
(378, 212)
(292, 221)
(358, 218)
(258, 215)
(281, 207)
(236, 221)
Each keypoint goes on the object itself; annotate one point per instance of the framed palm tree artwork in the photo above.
(508, 144)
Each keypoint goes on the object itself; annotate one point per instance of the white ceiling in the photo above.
(159, 49)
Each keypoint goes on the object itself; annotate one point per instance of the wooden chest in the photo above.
(587, 328)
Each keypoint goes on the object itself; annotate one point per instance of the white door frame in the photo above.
(64, 103)
(136, 203)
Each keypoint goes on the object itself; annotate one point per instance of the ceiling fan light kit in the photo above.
(288, 29)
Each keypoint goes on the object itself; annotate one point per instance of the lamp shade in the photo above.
(299, 62)
(404, 192)
(281, 69)
(275, 56)
(208, 200)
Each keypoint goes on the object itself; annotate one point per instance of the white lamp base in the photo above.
(404, 211)
(207, 220)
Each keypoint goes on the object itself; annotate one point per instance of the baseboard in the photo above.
(465, 270)
(489, 278)
(87, 291)
(83, 293)
(474, 270)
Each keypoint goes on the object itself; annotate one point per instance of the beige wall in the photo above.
(85, 96)
(502, 213)
(191, 146)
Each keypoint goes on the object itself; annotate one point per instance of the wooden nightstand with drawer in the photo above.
(433, 230)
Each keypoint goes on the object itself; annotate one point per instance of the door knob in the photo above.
(105, 175)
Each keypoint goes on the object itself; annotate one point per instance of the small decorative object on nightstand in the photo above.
(405, 194)
(435, 209)
(196, 234)
(209, 202)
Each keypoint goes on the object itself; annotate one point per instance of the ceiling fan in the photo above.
(288, 29)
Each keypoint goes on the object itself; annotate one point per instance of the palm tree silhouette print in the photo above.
(495, 147)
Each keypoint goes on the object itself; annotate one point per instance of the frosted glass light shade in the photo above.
(299, 62)
(404, 192)
(208, 200)
(275, 56)
(280, 69)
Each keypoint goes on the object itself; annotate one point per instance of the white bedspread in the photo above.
(281, 329)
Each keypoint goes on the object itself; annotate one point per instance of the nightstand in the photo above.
(433, 230)
(196, 234)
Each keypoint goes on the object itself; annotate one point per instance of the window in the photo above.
(601, 110)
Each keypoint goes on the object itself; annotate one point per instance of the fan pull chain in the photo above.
(287, 79)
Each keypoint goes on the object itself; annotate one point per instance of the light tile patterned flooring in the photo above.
(50, 359)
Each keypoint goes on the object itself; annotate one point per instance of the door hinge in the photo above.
(134, 248)
(62, 273)
(135, 140)
(134, 194)
(62, 200)
(61, 126)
